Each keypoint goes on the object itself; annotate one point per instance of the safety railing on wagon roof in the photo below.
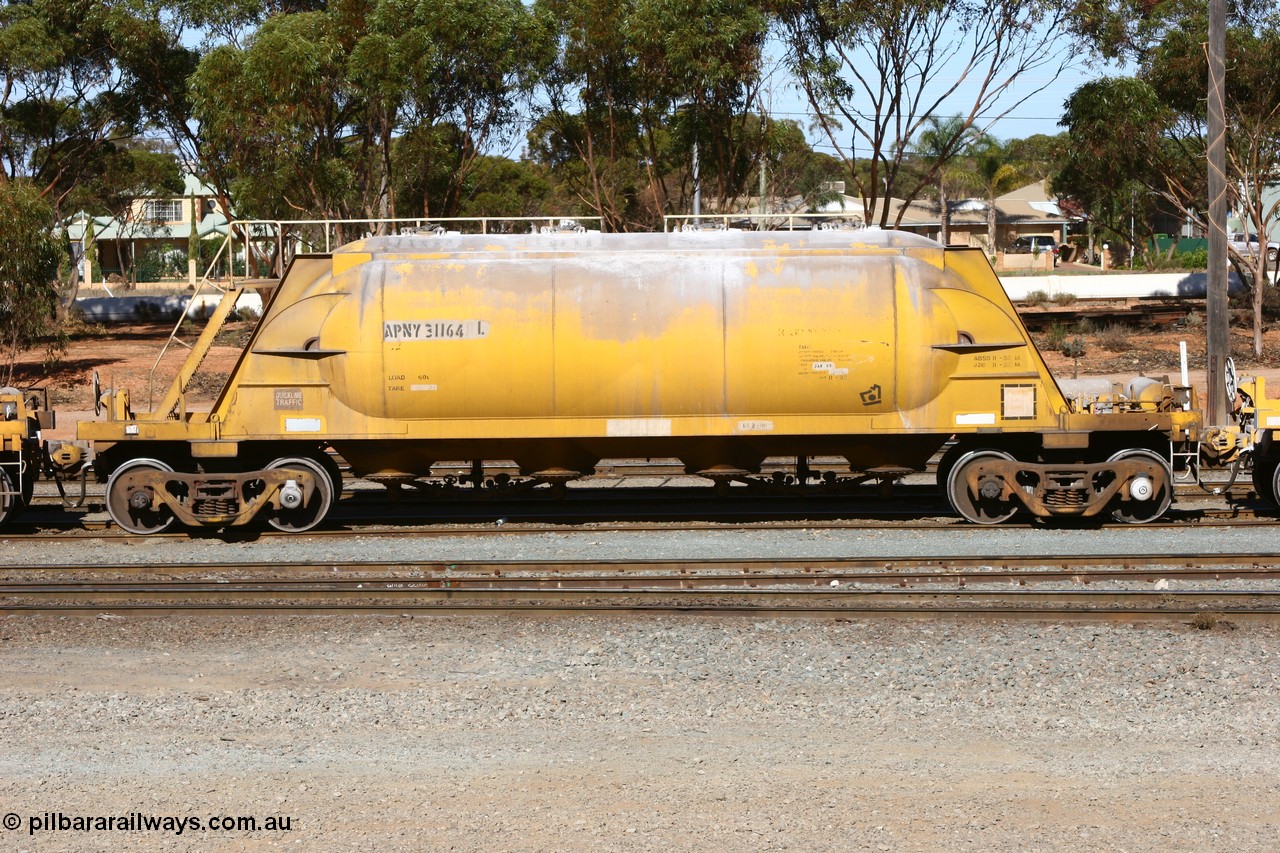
(795, 221)
(290, 237)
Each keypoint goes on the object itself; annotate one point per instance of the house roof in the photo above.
(110, 228)
(1026, 205)
(191, 185)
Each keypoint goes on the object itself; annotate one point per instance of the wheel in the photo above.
(985, 506)
(1272, 254)
(1152, 495)
(1271, 470)
(129, 505)
(307, 516)
(10, 500)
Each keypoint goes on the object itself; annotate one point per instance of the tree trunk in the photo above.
(944, 214)
(1259, 291)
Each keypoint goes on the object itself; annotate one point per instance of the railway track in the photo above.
(435, 528)
(630, 509)
(1093, 587)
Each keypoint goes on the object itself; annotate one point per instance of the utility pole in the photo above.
(1218, 406)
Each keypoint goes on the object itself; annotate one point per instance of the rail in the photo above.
(794, 221)
(290, 237)
(1085, 588)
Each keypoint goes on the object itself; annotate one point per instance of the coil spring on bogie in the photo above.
(215, 508)
(1066, 497)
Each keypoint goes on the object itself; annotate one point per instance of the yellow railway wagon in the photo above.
(555, 351)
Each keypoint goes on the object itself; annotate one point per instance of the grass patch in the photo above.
(1054, 336)
(1115, 338)
(1074, 347)
(1207, 620)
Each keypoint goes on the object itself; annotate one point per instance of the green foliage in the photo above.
(319, 111)
(1055, 336)
(502, 187)
(937, 148)
(29, 257)
(1196, 260)
(1074, 347)
(635, 86)
(80, 80)
(1141, 141)
(874, 74)
(1038, 156)
(91, 248)
(995, 173)
(158, 264)
(1115, 338)
(193, 222)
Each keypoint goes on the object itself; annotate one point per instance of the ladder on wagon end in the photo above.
(174, 404)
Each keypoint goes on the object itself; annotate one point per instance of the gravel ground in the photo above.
(962, 540)
(591, 734)
(600, 734)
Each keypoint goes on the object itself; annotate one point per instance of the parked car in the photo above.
(1247, 245)
(1033, 243)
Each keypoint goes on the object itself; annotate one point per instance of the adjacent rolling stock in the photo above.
(22, 416)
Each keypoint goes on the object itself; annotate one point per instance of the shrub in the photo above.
(1115, 338)
(1036, 299)
(158, 264)
(1194, 260)
(1055, 335)
(1074, 348)
(1064, 299)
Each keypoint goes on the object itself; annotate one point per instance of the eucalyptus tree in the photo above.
(331, 112)
(63, 102)
(875, 72)
(1153, 126)
(456, 78)
(594, 133)
(278, 112)
(29, 257)
(1120, 147)
(1252, 101)
(79, 82)
(640, 85)
(707, 59)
